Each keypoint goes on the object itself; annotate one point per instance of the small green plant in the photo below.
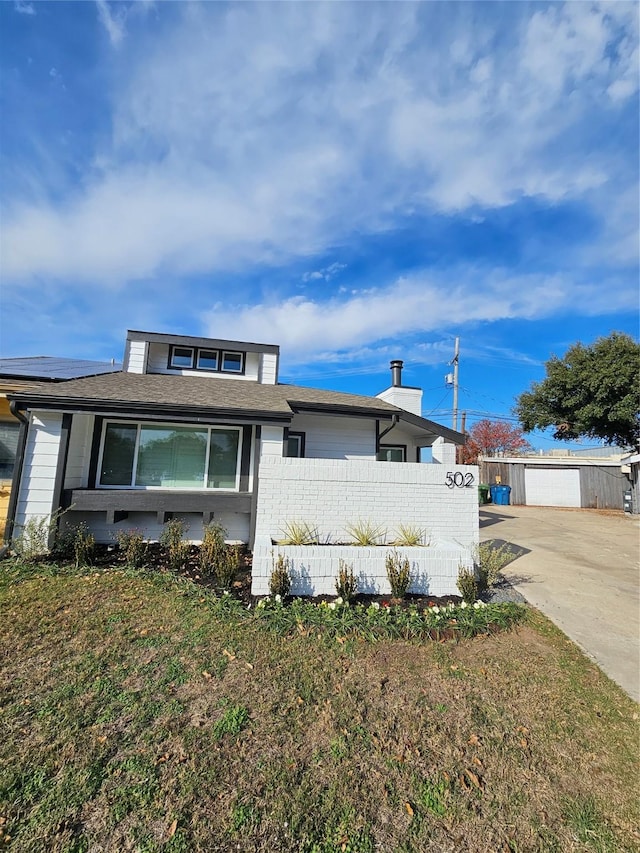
(134, 547)
(467, 584)
(234, 719)
(176, 549)
(32, 540)
(212, 549)
(299, 533)
(434, 796)
(410, 535)
(398, 574)
(280, 580)
(346, 582)
(490, 560)
(363, 532)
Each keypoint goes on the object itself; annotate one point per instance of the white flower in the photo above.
(278, 599)
(332, 606)
(338, 600)
(375, 605)
(463, 605)
(435, 610)
(477, 605)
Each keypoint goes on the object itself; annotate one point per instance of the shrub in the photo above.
(346, 583)
(364, 532)
(176, 549)
(84, 545)
(489, 561)
(299, 533)
(280, 580)
(132, 543)
(227, 566)
(32, 541)
(398, 574)
(212, 549)
(467, 584)
(410, 535)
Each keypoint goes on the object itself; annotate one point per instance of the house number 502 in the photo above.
(462, 481)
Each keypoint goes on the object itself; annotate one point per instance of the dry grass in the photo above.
(134, 718)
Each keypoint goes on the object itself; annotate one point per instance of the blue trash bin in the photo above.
(502, 495)
(492, 492)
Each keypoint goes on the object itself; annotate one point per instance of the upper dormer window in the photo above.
(211, 360)
(232, 362)
(208, 359)
(181, 357)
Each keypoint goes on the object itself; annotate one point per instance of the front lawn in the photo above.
(140, 712)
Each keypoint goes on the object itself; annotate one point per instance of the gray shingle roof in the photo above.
(208, 396)
(194, 392)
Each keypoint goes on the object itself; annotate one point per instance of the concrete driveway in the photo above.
(581, 568)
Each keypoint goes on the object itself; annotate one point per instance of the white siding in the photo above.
(268, 369)
(271, 442)
(159, 359)
(552, 486)
(77, 473)
(330, 437)
(137, 357)
(35, 499)
(397, 436)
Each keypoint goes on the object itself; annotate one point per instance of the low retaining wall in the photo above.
(314, 567)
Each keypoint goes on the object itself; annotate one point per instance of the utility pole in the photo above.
(456, 357)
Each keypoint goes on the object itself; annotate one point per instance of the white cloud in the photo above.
(324, 274)
(24, 8)
(253, 133)
(113, 22)
(306, 327)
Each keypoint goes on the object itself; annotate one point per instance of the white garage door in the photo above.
(552, 486)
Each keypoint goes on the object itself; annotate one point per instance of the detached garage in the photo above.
(596, 483)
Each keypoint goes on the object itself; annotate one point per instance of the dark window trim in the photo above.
(303, 441)
(96, 482)
(402, 447)
(96, 442)
(195, 353)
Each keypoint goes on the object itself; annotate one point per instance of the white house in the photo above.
(202, 429)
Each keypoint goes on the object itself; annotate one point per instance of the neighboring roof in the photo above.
(182, 397)
(52, 368)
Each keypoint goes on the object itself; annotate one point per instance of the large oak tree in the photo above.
(592, 392)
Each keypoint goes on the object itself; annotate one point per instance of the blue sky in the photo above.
(355, 182)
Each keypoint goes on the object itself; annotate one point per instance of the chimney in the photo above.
(396, 373)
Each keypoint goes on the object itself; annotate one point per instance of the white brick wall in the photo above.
(329, 494)
(235, 523)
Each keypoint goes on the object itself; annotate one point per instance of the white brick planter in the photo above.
(314, 567)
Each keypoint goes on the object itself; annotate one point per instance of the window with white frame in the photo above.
(294, 445)
(168, 456)
(181, 357)
(200, 358)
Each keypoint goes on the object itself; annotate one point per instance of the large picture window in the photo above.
(164, 456)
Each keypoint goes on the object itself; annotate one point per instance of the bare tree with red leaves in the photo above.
(486, 438)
